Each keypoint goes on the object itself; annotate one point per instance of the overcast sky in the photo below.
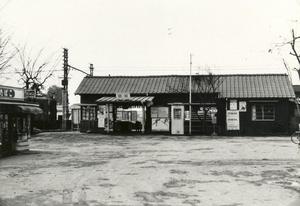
(140, 37)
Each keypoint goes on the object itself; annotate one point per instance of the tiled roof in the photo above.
(231, 86)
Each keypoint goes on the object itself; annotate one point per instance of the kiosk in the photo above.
(15, 120)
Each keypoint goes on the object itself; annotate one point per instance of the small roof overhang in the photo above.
(26, 109)
(132, 100)
(20, 107)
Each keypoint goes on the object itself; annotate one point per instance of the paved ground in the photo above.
(93, 169)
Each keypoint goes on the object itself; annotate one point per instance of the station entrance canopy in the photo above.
(142, 100)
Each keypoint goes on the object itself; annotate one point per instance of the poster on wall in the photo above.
(160, 124)
(233, 120)
(233, 104)
(243, 106)
(160, 118)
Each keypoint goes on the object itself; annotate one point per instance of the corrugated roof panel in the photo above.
(106, 85)
(253, 86)
(287, 86)
(233, 86)
(144, 85)
(277, 87)
(244, 85)
(268, 88)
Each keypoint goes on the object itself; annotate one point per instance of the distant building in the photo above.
(47, 119)
(248, 104)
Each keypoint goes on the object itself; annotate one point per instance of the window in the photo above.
(263, 112)
(177, 113)
(85, 114)
(88, 113)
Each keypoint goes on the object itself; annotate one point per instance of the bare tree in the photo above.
(205, 84)
(6, 54)
(208, 83)
(295, 51)
(36, 70)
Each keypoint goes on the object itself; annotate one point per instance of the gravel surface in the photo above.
(93, 169)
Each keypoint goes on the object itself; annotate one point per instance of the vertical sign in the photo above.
(233, 104)
(233, 120)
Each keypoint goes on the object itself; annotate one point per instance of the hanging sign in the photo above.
(233, 120)
(123, 96)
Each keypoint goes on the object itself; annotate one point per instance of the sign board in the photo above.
(122, 96)
(30, 93)
(233, 120)
(233, 104)
(11, 93)
(243, 106)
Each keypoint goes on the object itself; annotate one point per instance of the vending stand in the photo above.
(15, 120)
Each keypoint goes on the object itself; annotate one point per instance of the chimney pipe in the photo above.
(91, 70)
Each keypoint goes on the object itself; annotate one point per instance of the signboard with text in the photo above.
(233, 120)
(233, 104)
(11, 93)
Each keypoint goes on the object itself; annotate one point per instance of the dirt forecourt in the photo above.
(151, 170)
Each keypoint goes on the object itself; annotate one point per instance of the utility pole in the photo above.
(190, 97)
(65, 96)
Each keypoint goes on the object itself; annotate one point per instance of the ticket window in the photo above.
(177, 117)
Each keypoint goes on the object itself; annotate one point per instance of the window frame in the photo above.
(263, 106)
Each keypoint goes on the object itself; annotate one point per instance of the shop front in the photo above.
(123, 113)
(15, 120)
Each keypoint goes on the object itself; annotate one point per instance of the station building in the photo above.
(247, 104)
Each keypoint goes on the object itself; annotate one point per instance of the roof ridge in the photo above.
(185, 75)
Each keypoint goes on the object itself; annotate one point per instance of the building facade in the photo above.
(15, 120)
(260, 104)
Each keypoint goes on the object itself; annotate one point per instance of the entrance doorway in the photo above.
(177, 119)
(203, 119)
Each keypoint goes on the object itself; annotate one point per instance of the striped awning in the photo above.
(133, 100)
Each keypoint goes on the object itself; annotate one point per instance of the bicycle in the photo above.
(295, 138)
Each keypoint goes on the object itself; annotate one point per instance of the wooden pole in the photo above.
(190, 96)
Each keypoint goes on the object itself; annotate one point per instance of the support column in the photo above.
(107, 117)
(143, 119)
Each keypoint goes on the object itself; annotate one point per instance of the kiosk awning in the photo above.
(30, 109)
(20, 107)
(139, 100)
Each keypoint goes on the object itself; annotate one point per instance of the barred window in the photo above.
(88, 113)
(261, 112)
